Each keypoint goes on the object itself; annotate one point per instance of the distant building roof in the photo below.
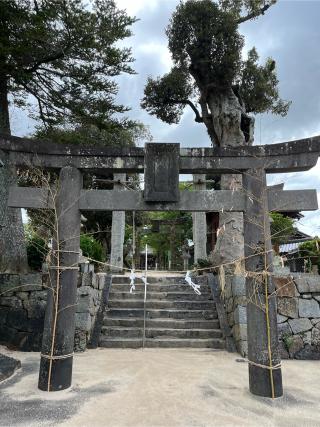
(294, 241)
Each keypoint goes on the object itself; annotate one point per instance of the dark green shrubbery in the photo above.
(282, 228)
(311, 252)
(91, 248)
(37, 250)
(203, 263)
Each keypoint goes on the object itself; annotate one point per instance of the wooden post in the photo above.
(263, 350)
(59, 324)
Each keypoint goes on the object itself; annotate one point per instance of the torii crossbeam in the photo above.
(162, 164)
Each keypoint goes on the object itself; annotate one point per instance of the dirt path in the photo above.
(159, 387)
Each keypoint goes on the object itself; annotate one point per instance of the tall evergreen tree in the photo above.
(223, 89)
(64, 55)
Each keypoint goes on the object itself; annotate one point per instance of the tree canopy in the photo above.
(65, 55)
(60, 60)
(310, 252)
(90, 135)
(281, 227)
(209, 73)
(168, 233)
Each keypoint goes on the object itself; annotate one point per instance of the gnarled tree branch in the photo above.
(198, 118)
(207, 119)
(50, 58)
(254, 14)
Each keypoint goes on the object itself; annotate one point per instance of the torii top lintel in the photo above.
(290, 156)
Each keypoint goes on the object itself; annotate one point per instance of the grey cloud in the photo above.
(152, 24)
(294, 27)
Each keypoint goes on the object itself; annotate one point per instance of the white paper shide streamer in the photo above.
(132, 280)
(144, 279)
(194, 286)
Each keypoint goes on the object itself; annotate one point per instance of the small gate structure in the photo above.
(161, 164)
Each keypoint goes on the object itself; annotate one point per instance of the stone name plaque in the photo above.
(161, 174)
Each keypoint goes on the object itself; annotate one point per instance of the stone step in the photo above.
(161, 323)
(215, 343)
(158, 288)
(162, 313)
(161, 304)
(175, 315)
(175, 296)
(121, 332)
(150, 279)
(116, 332)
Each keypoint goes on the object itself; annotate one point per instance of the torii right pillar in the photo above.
(265, 377)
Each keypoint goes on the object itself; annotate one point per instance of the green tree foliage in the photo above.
(258, 86)
(37, 250)
(205, 38)
(167, 233)
(90, 135)
(60, 59)
(135, 224)
(174, 229)
(172, 90)
(310, 251)
(281, 228)
(245, 10)
(91, 248)
(65, 55)
(311, 248)
(209, 71)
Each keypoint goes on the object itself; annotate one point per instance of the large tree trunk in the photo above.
(226, 113)
(13, 253)
(233, 128)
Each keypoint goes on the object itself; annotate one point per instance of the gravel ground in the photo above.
(159, 387)
(8, 366)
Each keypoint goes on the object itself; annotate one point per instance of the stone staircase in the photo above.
(175, 315)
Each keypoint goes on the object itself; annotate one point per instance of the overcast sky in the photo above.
(289, 33)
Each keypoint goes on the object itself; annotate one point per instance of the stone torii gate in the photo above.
(161, 164)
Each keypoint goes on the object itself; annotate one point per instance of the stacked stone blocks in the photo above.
(298, 301)
(235, 301)
(23, 302)
(299, 315)
(89, 297)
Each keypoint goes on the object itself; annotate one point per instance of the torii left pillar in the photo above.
(59, 325)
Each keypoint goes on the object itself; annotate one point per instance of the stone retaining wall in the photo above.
(235, 304)
(298, 301)
(23, 302)
(299, 315)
